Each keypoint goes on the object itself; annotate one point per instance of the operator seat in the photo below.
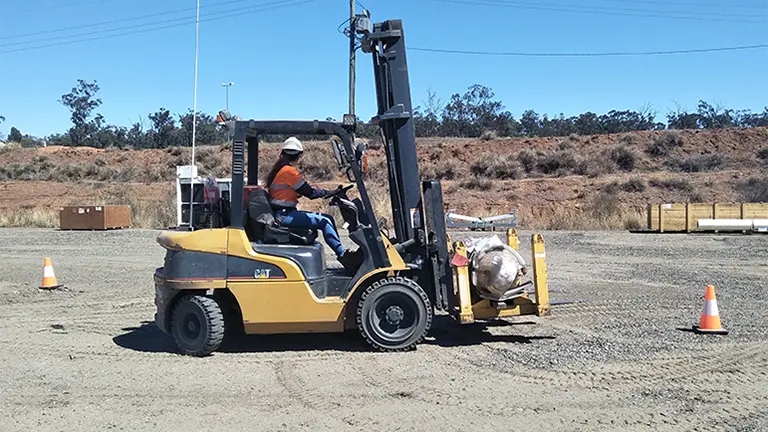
(261, 226)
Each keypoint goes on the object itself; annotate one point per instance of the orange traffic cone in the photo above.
(710, 316)
(49, 279)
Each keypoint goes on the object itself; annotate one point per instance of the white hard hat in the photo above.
(292, 145)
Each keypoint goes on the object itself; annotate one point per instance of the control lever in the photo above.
(400, 247)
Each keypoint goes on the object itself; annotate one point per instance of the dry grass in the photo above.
(318, 163)
(754, 189)
(37, 217)
(477, 183)
(145, 214)
(697, 163)
(42, 168)
(763, 153)
(445, 170)
(664, 143)
(497, 167)
(604, 213)
(672, 184)
(10, 147)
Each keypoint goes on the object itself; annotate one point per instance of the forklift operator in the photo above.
(285, 185)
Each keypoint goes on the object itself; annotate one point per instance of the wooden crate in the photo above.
(696, 211)
(754, 210)
(680, 217)
(672, 217)
(727, 211)
(94, 217)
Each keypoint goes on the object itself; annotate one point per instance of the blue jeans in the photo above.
(293, 218)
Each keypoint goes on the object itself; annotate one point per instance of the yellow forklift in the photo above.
(257, 277)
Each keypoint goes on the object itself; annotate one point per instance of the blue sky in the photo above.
(290, 62)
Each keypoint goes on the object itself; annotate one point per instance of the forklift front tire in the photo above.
(197, 325)
(394, 314)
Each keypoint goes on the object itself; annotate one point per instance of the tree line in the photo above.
(476, 113)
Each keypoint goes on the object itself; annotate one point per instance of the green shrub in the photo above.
(672, 184)
(497, 167)
(763, 153)
(662, 144)
(478, 183)
(527, 159)
(754, 189)
(697, 163)
(624, 157)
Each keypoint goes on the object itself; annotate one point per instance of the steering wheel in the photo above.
(339, 190)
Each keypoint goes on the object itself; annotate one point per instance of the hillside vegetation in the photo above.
(572, 182)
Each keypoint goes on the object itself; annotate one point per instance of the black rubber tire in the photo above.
(197, 325)
(412, 310)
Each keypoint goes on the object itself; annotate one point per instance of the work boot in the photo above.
(351, 260)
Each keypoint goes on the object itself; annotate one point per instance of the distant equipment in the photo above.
(204, 217)
(504, 221)
(94, 217)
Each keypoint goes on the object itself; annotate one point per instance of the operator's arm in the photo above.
(305, 189)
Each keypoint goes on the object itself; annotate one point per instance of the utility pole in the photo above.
(352, 57)
(226, 87)
(194, 120)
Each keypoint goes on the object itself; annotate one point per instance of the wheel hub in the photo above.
(191, 326)
(394, 314)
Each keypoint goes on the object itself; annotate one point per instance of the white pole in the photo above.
(194, 118)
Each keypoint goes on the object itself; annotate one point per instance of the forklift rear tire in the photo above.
(197, 325)
(394, 314)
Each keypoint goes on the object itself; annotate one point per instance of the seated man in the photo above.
(285, 185)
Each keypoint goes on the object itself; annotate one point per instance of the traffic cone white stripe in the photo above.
(710, 308)
(48, 272)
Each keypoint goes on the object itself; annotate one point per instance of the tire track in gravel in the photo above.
(31, 312)
(752, 359)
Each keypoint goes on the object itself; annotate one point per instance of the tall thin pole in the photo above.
(194, 118)
(352, 57)
(226, 92)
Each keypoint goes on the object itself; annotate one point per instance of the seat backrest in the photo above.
(262, 227)
(258, 214)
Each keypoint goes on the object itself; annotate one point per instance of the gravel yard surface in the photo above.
(90, 358)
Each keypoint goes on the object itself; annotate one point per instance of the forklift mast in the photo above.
(427, 242)
(394, 118)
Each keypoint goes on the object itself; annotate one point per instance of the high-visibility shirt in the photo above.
(283, 190)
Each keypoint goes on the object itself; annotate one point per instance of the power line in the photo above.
(586, 10)
(185, 19)
(59, 6)
(666, 3)
(154, 29)
(603, 54)
(688, 12)
(101, 23)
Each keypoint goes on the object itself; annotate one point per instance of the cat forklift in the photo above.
(257, 277)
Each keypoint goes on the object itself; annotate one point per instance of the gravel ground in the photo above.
(89, 358)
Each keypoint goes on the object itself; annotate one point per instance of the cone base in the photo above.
(698, 330)
(52, 287)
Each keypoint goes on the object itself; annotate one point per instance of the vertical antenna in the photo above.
(194, 119)
(352, 57)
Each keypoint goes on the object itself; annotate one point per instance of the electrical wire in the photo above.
(240, 13)
(59, 6)
(666, 3)
(603, 54)
(101, 23)
(185, 19)
(585, 10)
(687, 12)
